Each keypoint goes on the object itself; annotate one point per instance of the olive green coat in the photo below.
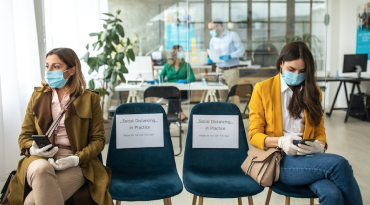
(85, 128)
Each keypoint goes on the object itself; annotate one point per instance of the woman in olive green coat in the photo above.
(85, 129)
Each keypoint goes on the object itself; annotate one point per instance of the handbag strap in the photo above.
(59, 117)
(279, 157)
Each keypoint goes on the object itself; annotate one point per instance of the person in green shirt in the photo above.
(177, 71)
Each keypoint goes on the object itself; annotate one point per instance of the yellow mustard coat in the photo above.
(266, 117)
(85, 129)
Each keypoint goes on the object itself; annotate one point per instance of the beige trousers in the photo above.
(230, 78)
(49, 186)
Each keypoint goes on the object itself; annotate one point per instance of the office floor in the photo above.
(351, 140)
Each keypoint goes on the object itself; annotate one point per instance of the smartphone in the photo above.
(42, 141)
(306, 140)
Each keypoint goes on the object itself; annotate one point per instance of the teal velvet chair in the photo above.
(290, 191)
(143, 174)
(216, 173)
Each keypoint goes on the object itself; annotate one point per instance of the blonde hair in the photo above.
(76, 82)
(173, 56)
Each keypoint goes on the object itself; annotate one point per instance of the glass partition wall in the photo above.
(263, 26)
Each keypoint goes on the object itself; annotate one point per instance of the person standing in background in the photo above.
(363, 19)
(232, 48)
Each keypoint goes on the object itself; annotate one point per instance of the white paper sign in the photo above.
(139, 130)
(215, 131)
(215, 55)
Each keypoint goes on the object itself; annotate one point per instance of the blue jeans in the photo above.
(329, 176)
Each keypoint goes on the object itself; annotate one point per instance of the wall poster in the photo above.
(363, 29)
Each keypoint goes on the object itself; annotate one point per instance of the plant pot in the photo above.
(107, 129)
(107, 102)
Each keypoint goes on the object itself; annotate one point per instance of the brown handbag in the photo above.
(5, 191)
(263, 165)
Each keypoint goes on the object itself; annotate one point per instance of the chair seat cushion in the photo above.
(141, 186)
(226, 183)
(173, 118)
(293, 191)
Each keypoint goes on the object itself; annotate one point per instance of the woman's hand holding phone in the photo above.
(286, 143)
(42, 152)
(310, 148)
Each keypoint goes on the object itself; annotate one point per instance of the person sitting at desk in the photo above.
(286, 108)
(177, 71)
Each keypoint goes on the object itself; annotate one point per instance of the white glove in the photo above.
(311, 148)
(64, 163)
(35, 150)
(286, 143)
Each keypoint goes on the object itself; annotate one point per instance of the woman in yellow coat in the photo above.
(55, 175)
(286, 108)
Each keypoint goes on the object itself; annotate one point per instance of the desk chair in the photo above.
(242, 90)
(143, 174)
(265, 55)
(168, 92)
(290, 191)
(216, 173)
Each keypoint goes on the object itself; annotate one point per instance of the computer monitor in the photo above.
(141, 68)
(157, 57)
(353, 63)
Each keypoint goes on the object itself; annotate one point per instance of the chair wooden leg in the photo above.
(311, 201)
(165, 201)
(250, 200)
(239, 201)
(194, 199)
(200, 202)
(268, 197)
(287, 200)
(118, 202)
(169, 202)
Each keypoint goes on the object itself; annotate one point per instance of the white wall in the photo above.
(342, 40)
(19, 73)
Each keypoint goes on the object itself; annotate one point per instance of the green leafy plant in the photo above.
(309, 39)
(312, 42)
(110, 58)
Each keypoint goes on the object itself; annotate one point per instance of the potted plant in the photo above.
(311, 41)
(107, 53)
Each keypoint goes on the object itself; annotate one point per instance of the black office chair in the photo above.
(265, 55)
(171, 93)
(243, 91)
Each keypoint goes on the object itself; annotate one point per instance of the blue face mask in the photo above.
(55, 79)
(293, 79)
(213, 33)
(180, 55)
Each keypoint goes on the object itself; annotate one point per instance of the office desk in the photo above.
(343, 80)
(160, 67)
(209, 91)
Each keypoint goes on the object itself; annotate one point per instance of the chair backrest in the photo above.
(241, 90)
(267, 57)
(215, 158)
(138, 160)
(169, 92)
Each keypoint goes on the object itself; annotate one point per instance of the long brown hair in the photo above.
(76, 82)
(306, 95)
(173, 56)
